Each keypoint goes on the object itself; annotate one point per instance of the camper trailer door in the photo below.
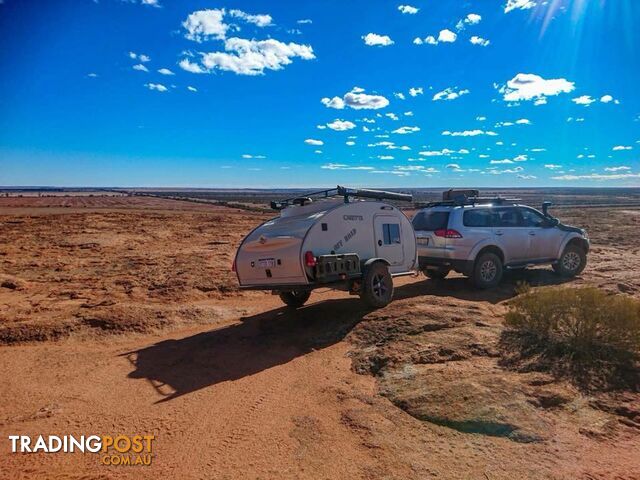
(388, 238)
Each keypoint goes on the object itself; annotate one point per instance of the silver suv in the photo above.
(481, 237)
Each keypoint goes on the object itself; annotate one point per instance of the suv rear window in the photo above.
(430, 221)
(479, 217)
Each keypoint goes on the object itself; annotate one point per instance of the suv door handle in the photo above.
(533, 234)
(499, 233)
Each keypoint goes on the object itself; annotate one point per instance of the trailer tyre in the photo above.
(295, 298)
(571, 262)
(377, 285)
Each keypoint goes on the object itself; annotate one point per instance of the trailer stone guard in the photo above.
(342, 238)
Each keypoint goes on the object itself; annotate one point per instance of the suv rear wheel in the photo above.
(295, 298)
(571, 262)
(487, 271)
(377, 285)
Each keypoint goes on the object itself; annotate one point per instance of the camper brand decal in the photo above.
(347, 237)
(353, 218)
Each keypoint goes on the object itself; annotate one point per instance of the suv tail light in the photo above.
(447, 233)
(309, 259)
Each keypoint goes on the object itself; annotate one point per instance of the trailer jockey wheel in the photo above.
(377, 285)
(295, 298)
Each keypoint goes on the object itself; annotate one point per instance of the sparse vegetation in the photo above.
(585, 323)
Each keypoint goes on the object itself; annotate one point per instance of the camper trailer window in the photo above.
(391, 233)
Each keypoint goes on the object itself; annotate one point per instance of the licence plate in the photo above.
(423, 241)
(267, 262)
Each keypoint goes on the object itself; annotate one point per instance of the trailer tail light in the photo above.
(447, 233)
(309, 259)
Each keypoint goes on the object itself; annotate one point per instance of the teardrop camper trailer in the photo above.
(342, 238)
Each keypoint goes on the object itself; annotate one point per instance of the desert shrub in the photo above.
(584, 322)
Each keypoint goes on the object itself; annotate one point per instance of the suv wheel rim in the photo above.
(379, 286)
(571, 261)
(488, 271)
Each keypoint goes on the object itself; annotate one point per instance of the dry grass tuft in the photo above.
(584, 333)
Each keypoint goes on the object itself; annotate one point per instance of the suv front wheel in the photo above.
(571, 262)
(487, 271)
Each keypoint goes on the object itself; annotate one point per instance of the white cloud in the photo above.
(350, 143)
(471, 19)
(406, 130)
(453, 166)
(408, 9)
(140, 57)
(250, 57)
(585, 100)
(189, 66)
(165, 71)
(335, 102)
(156, 86)
(518, 5)
(259, 157)
(621, 147)
(313, 141)
(260, 20)
(483, 42)
(204, 24)
(305, 21)
(447, 36)
(151, 3)
(528, 86)
(373, 40)
(392, 116)
(622, 168)
(192, 89)
(356, 99)
(609, 99)
(520, 158)
(450, 93)
(342, 166)
(501, 162)
(552, 166)
(385, 157)
(598, 176)
(469, 133)
(92, 75)
(140, 67)
(415, 91)
(408, 114)
(399, 95)
(445, 152)
(209, 24)
(341, 125)
(430, 40)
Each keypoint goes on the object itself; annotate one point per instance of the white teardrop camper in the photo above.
(342, 238)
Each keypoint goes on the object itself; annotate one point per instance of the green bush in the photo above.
(587, 322)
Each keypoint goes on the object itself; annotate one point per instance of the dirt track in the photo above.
(234, 386)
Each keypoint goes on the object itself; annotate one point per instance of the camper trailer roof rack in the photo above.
(342, 192)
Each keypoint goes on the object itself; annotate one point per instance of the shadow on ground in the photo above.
(261, 341)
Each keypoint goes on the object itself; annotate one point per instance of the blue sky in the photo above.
(282, 94)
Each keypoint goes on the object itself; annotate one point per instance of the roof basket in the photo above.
(457, 198)
(343, 192)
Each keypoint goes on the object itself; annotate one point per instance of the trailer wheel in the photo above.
(295, 298)
(377, 285)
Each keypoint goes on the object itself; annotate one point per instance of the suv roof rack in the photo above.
(473, 201)
(343, 192)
